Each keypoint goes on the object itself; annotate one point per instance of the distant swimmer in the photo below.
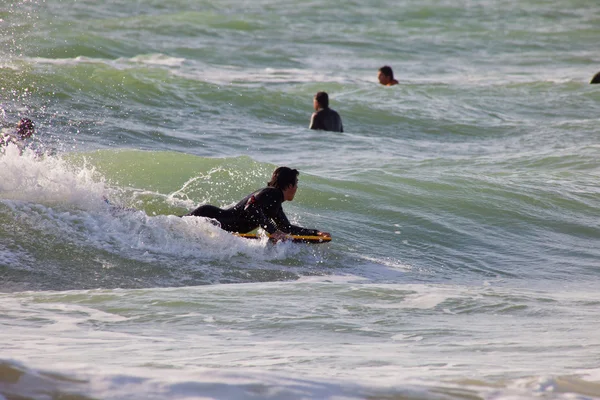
(262, 208)
(25, 129)
(324, 118)
(596, 78)
(386, 76)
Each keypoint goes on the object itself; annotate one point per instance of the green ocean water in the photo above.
(463, 202)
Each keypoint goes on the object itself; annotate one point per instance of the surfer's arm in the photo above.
(258, 216)
(284, 225)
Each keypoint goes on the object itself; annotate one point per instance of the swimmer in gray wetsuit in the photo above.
(324, 118)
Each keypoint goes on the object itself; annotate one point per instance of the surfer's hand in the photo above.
(279, 235)
(324, 234)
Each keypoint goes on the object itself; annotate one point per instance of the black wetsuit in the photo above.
(259, 209)
(326, 119)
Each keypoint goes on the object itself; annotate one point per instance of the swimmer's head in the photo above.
(385, 75)
(321, 100)
(25, 128)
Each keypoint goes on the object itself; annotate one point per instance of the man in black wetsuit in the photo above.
(262, 209)
(325, 118)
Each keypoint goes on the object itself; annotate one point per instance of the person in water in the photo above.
(25, 129)
(386, 76)
(324, 118)
(262, 208)
(596, 78)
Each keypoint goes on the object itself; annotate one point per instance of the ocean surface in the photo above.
(464, 203)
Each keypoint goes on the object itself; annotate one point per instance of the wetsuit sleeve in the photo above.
(259, 216)
(284, 225)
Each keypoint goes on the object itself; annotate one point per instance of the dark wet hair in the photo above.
(284, 177)
(25, 128)
(323, 99)
(596, 78)
(387, 71)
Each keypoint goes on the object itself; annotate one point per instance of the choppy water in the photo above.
(464, 203)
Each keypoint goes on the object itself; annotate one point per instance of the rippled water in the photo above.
(463, 203)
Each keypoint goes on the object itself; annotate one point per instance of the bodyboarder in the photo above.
(262, 208)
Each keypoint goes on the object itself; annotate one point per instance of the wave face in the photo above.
(463, 202)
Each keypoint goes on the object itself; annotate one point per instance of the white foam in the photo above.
(47, 180)
(337, 279)
(221, 75)
(225, 75)
(423, 301)
(69, 61)
(203, 72)
(158, 59)
(154, 238)
(196, 383)
(389, 262)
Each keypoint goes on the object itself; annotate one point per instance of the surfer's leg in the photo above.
(227, 219)
(207, 211)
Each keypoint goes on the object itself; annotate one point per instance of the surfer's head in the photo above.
(286, 179)
(25, 128)
(596, 78)
(321, 100)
